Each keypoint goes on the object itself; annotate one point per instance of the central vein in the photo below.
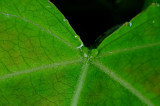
(80, 83)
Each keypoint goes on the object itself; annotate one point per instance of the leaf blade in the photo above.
(40, 60)
(131, 53)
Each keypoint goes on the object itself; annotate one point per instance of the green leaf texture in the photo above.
(43, 61)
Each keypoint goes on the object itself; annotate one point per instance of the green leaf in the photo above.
(149, 2)
(43, 61)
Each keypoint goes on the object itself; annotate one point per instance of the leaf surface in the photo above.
(130, 56)
(43, 61)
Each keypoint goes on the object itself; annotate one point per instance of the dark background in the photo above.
(91, 18)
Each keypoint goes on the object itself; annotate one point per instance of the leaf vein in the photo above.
(128, 49)
(122, 82)
(129, 31)
(36, 69)
(80, 83)
(40, 27)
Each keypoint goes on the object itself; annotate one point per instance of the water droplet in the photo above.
(49, 1)
(130, 24)
(80, 46)
(85, 55)
(75, 36)
(64, 20)
(48, 6)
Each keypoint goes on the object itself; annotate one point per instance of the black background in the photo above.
(91, 18)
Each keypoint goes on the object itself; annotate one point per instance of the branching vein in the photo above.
(80, 83)
(42, 68)
(40, 27)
